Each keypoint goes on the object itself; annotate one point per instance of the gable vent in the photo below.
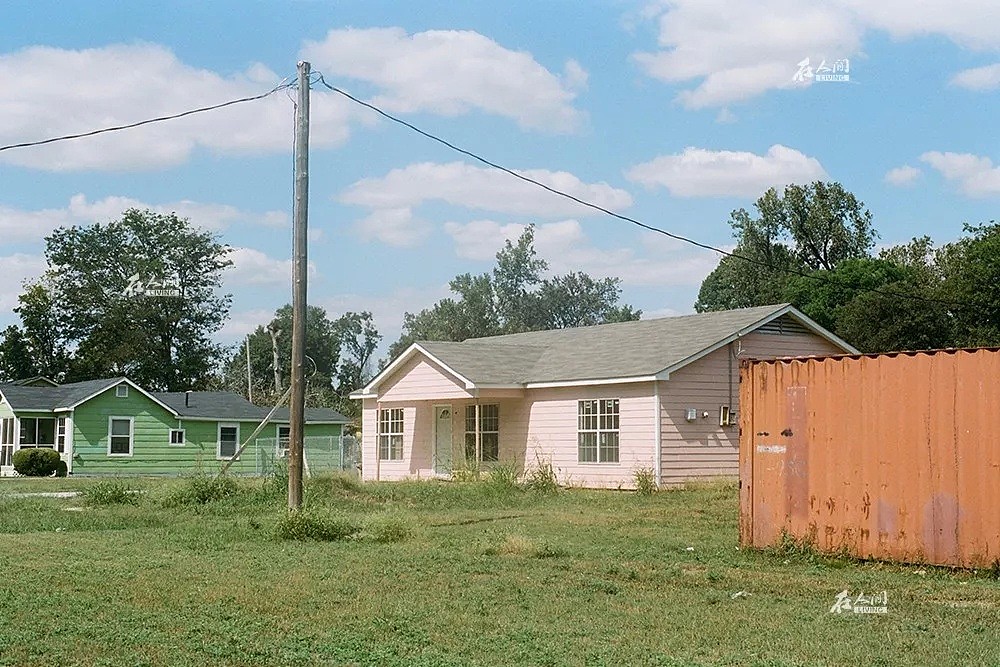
(783, 326)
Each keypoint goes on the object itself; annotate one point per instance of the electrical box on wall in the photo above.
(727, 416)
(692, 414)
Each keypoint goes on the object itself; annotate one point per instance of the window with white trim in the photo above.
(390, 434)
(61, 434)
(177, 437)
(7, 441)
(121, 391)
(37, 432)
(229, 441)
(284, 437)
(597, 431)
(120, 432)
(489, 433)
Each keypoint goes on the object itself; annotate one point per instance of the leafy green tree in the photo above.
(970, 269)
(805, 228)
(339, 358)
(513, 298)
(16, 360)
(97, 288)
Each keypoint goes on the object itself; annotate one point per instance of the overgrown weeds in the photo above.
(110, 492)
(308, 524)
(388, 527)
(201, 490)
(542, 477)
(645, 481)
(520, 545)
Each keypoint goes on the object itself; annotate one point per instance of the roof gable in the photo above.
(623, 351)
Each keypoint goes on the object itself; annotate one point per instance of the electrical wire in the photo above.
(625, 218)
(159, 119)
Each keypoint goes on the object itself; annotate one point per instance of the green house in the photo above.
(115, 427)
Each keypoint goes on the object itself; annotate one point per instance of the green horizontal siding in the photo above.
(152, 453)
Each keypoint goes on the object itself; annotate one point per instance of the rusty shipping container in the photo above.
(892, 457)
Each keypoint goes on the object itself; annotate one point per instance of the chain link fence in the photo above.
(320, 454)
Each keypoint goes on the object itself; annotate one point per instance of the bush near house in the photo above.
(38, 462)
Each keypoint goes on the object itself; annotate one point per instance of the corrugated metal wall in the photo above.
(893, 457)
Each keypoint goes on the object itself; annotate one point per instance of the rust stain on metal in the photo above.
(887, 456)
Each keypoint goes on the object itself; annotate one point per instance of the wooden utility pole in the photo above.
(300, 214)
(249, 374)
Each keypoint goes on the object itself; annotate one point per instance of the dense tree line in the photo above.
(813, 246)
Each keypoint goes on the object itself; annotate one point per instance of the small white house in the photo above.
(598, 403)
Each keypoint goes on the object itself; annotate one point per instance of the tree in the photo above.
(970, 270)
(16, 361)
(338, 358)
(806, 228)
(97, 298)
(513, 298)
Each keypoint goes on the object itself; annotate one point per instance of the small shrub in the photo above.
(62, 469)
(505, 476)
(36, 462)
(542, 478)
(202, 490)
(110, 492)
(388, 528)
(310, 525)
(645, 481)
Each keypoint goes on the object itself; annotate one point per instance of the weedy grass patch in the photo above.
(440, 573)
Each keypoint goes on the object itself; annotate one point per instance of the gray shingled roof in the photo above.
(49, 398)
(625, 349)
(204, 404)
(227, 405)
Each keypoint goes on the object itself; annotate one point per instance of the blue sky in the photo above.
(675, 113)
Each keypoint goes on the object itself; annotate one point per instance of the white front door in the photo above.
(442, 439)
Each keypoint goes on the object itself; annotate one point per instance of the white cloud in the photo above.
(17, 225)
(725, 116)
(905, 175)
(566, 248)
(461, 184)
(253, 267)
(975, 175)
(393, 226)
(731, 52)
(738, 50)
(120, 84)
(240, 324)
(15, 269)
(978, 78)
(451, 72)
(699, 172)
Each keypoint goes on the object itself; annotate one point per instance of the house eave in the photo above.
(584, 382)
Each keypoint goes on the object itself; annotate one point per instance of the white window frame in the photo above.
(61, 426)
(602, 419)
(280, 449)
(170, 437)
(478, 418)
(393, 439)
(121, 391)
(131, 435)
(218, 441)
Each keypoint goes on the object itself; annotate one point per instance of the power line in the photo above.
(625, 218)
(149, 121)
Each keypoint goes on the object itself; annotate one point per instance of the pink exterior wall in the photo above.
(550, 432)
(703, 449)
(542, 423)
(421, 379)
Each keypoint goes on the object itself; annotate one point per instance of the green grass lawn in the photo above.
(478, 574)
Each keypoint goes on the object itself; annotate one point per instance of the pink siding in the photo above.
(421, 379)
(703, 449)
(549, 427)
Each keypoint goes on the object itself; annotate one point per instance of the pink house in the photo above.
(599, 403)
